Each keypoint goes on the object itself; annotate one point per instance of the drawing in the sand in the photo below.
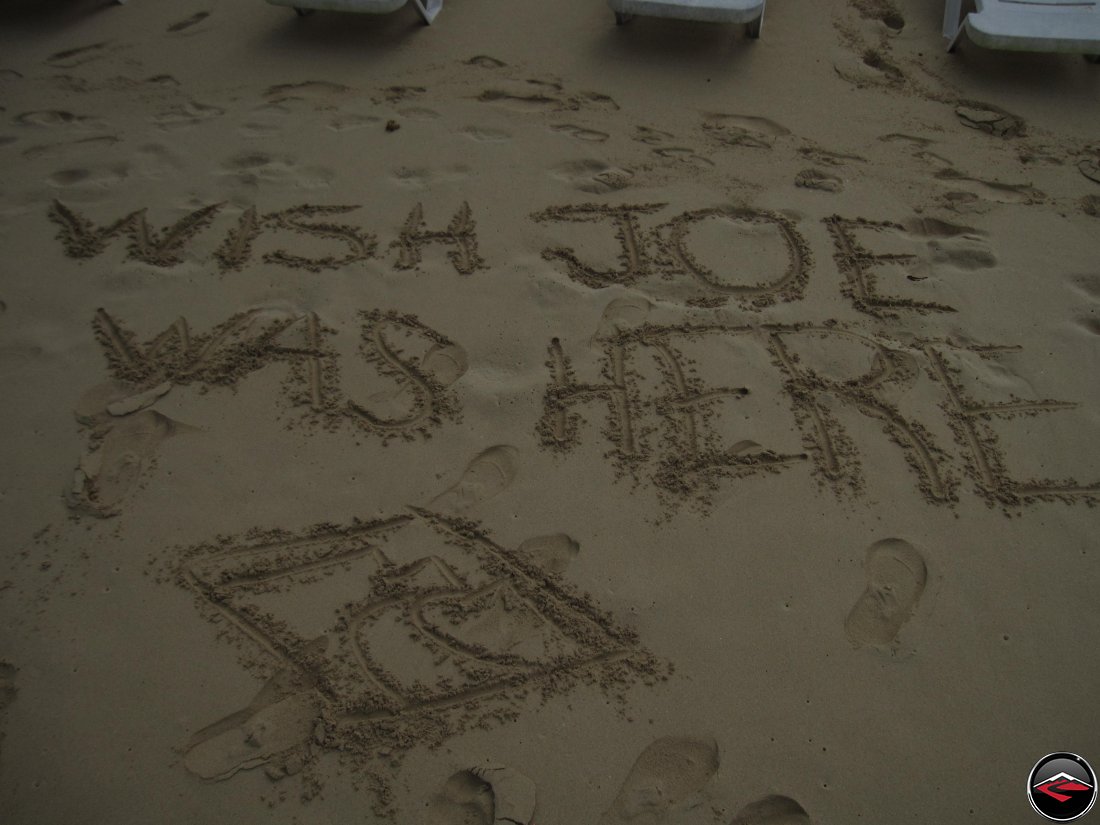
(436, 628)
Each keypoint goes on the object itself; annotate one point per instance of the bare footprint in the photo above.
(552, 553)
(816, 179)
(128, 444)
(580, 133)
(187, 114)
(444, 363)
(193, 20)
(990, 190)
(896, 576)
(484, 795)
(483, 134)
(990, 119)
(668, 773)
(950, 246)
(743, 130)
(7, 683)
(485, 61)
(464, 799)
(491, 472)
(683, 154)
(772, 810)
(274, 730)
(622, 313)
(592, 176)
(651, 137)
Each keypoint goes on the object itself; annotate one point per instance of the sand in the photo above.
(529, 419)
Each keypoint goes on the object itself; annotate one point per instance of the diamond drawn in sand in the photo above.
(393, 633)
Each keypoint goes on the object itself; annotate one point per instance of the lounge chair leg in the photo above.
(756, 26)
(622, 18)
(304, 12)
(428, 9)
(954, 44)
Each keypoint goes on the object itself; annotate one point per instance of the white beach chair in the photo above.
(428, 8)
(749, 12)
(1027, 25)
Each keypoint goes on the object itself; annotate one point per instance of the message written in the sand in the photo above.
(689, 458)
(447, 630)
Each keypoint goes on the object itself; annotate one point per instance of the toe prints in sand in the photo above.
(409, 397)
(688, 407)
(437, 628)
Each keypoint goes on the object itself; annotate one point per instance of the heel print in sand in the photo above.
(124, 437)
(489, 473)
(772, 810)
(484, 795)
(896, 575)
(666, 774)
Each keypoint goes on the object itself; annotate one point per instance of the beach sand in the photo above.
(527, 418)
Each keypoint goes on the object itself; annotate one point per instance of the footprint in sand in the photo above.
(580, 133)
(55, 117)
(552, 553)
(71, 58)
(651, 137)
(485, 61)
(950, 246)
(816, 179)
(7, 687)
(622, 313)
(896, 576)
(484, 795)
(187, 114)
(743, 130)
(193, 20)
(1090, 168)
(683, 154)
(1090, 205)
(483, 134)
(125, 437)
(989, 190)
(347, 121)
(7, 684)
(423, 178)
(444, 363)
(490, 472)
(882, 10)
(990, 119)
(772, 810)
(667, 774)
(275, 730)
(593, 176)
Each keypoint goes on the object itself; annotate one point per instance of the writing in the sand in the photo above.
(662, 417)
(168, 245)
(663, 420)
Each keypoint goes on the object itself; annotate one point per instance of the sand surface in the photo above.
(531, 419)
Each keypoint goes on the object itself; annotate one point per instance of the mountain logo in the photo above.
(1062, 787)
